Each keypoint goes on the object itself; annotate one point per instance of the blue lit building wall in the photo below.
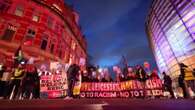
(170, 27)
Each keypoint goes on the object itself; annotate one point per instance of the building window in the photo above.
(52, 48)
(3, 7)
(60, 54)
(19, 11)
(35, 18)
(9, 33)
(44, 42)
(50, 22)
(30, 34)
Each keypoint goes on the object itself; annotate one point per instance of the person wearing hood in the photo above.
(72, 74)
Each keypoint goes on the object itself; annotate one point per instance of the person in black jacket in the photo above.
(16, 83)
(141, 74)
(2, 70)
(168, 84)
(182, 84)
(72, 72)
(142, 77)
(30, 83)
(181, 80)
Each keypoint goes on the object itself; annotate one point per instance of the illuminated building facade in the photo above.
(170, 26)
(48, 30)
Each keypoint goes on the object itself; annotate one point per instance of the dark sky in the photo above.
(114, 28)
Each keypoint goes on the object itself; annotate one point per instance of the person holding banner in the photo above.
(72, 73)
(154, 74)
(77, 86)
(29, 82)
(182, 82)
(16, 83)
(168, 84)
(85, 76)
(131, 74)
(142, 77)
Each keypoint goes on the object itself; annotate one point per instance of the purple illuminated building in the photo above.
(170, 26)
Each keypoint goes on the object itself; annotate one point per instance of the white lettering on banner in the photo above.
(53, 85)
(126, 89)
(124, 94)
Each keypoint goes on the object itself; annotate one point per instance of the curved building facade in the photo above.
(48, 27)
(170, 26)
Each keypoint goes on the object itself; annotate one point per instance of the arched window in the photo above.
(44, 42)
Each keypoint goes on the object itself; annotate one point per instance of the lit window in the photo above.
(35, 18)
(51, 48)
(19, 11)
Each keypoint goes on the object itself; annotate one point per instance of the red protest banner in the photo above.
(132, 88)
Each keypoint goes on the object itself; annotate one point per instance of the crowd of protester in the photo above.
(22, 80)
(19, 82)
(128, 73)
(143, 73)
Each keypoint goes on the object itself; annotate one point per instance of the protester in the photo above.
(5, 82)
(2, 70)
(182, 84)
(131, 75)
(77, 86)
(107, 77)
(192, 82)
(142, 77)
(36, 91)
(147, 68)
(154, 74)
(97, 77)
(17, 80)
(181, 80)
(85, 76)
(18, 57)
(168, 84)
(29, 82)
(119, 75)
(141, 74)
(72, 72)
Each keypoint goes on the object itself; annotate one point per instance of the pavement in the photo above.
(98, 104)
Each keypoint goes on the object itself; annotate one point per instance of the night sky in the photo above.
(114, 28)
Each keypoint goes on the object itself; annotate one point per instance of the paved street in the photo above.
(98, 104)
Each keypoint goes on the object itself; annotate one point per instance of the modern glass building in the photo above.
(170, 26)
